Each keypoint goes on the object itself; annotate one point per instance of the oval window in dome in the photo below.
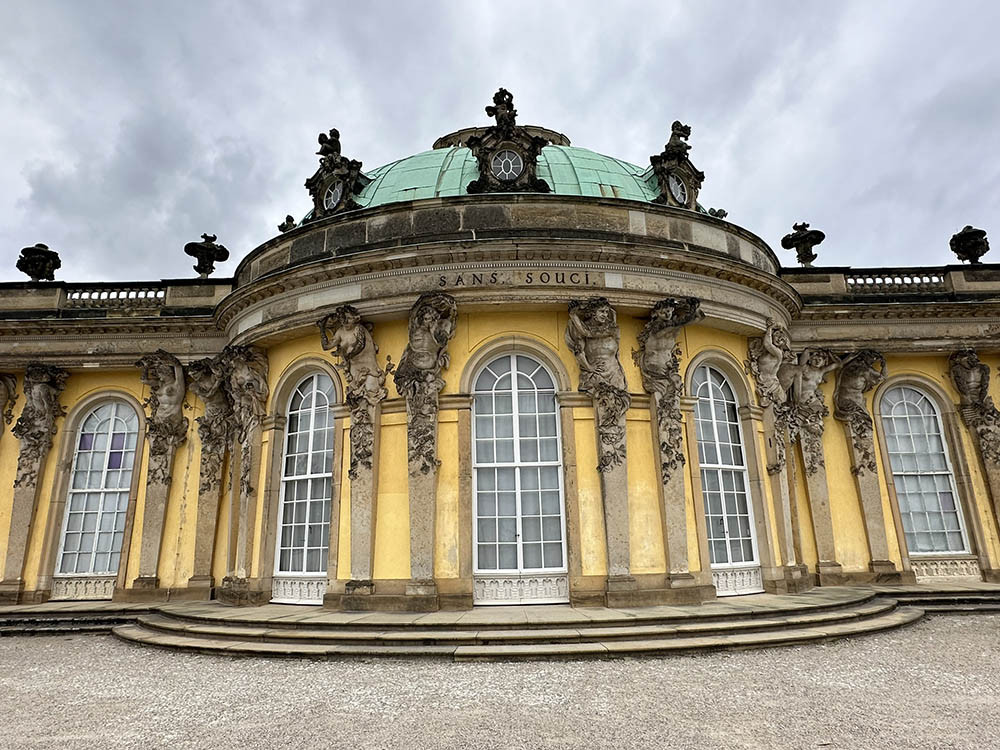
(507, 165)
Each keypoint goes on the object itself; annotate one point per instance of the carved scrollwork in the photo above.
(215, 427)
(860, 372)
(972, 381)
(658, 364)
(433, 318)
(344, 334)
(37, 423)
(167, 426)
(592, 335)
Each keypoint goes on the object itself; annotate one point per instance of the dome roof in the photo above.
(568, 170)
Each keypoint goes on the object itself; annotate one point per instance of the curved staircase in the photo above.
(514, 633)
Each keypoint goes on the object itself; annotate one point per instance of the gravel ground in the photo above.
(933, 685)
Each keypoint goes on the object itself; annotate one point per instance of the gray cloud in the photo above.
(130, 129)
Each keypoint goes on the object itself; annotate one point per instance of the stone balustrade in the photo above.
(858, 284)
(109, 299)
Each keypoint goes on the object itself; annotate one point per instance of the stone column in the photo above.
(35, 429)
(246, 368)
(592, 335)
(657, 361)
(972, 381)
(215, 429)
(166, 428)
(418, 379)
(860, 373)
(776, 439)
(806, 422)
(348, 337)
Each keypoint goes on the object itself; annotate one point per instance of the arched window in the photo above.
(100, 484)
(732, 546)
(306, 490)
(921, 472)
(519, 530)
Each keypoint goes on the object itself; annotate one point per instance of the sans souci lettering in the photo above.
(518, 278)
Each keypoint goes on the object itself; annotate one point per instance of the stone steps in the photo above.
(598, 640)
(62, 623)
(950, 601)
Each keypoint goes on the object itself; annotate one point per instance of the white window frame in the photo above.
(102, 490)
(314, 576)
(719, 467)
(516, 465)
(949, 469)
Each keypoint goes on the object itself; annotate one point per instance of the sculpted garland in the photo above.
(345, 335)
(658, 363)
(592, 335)
(8, 396)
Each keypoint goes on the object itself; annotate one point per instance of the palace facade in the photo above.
(504, 370)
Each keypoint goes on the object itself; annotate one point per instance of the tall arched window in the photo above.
(100, 484)
(921, 472)
(306, 490)
(519, 530)
(732, 546)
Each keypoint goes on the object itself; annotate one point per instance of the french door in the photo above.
(519, 531)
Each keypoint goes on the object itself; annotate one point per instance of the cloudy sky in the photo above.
(129, 128)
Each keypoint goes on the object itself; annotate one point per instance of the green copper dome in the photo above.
(447, 171)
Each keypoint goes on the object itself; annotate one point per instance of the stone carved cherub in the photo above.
(592, 335)
(343, 333)
(503, 110)
(329, 145)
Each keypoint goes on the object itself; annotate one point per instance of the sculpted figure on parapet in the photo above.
(592, 335)
(658, 364)
(167, 425)
(972, 381)
(433, 318)
(37, 423)
(860, 372)
(343, 333)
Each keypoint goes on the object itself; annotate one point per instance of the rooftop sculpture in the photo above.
(207, 253)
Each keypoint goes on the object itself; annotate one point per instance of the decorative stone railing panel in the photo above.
(83, 588)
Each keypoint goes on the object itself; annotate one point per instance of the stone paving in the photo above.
(933, 685)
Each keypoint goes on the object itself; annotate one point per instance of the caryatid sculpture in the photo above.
(657, 362)
(808, 407)
(772, 365)
(215, 427)
(859, 373)
(37, 424)
(972, 381)
(592, 335)
(167, 425)
(247, 373)
(418, 378)
(345, 335)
